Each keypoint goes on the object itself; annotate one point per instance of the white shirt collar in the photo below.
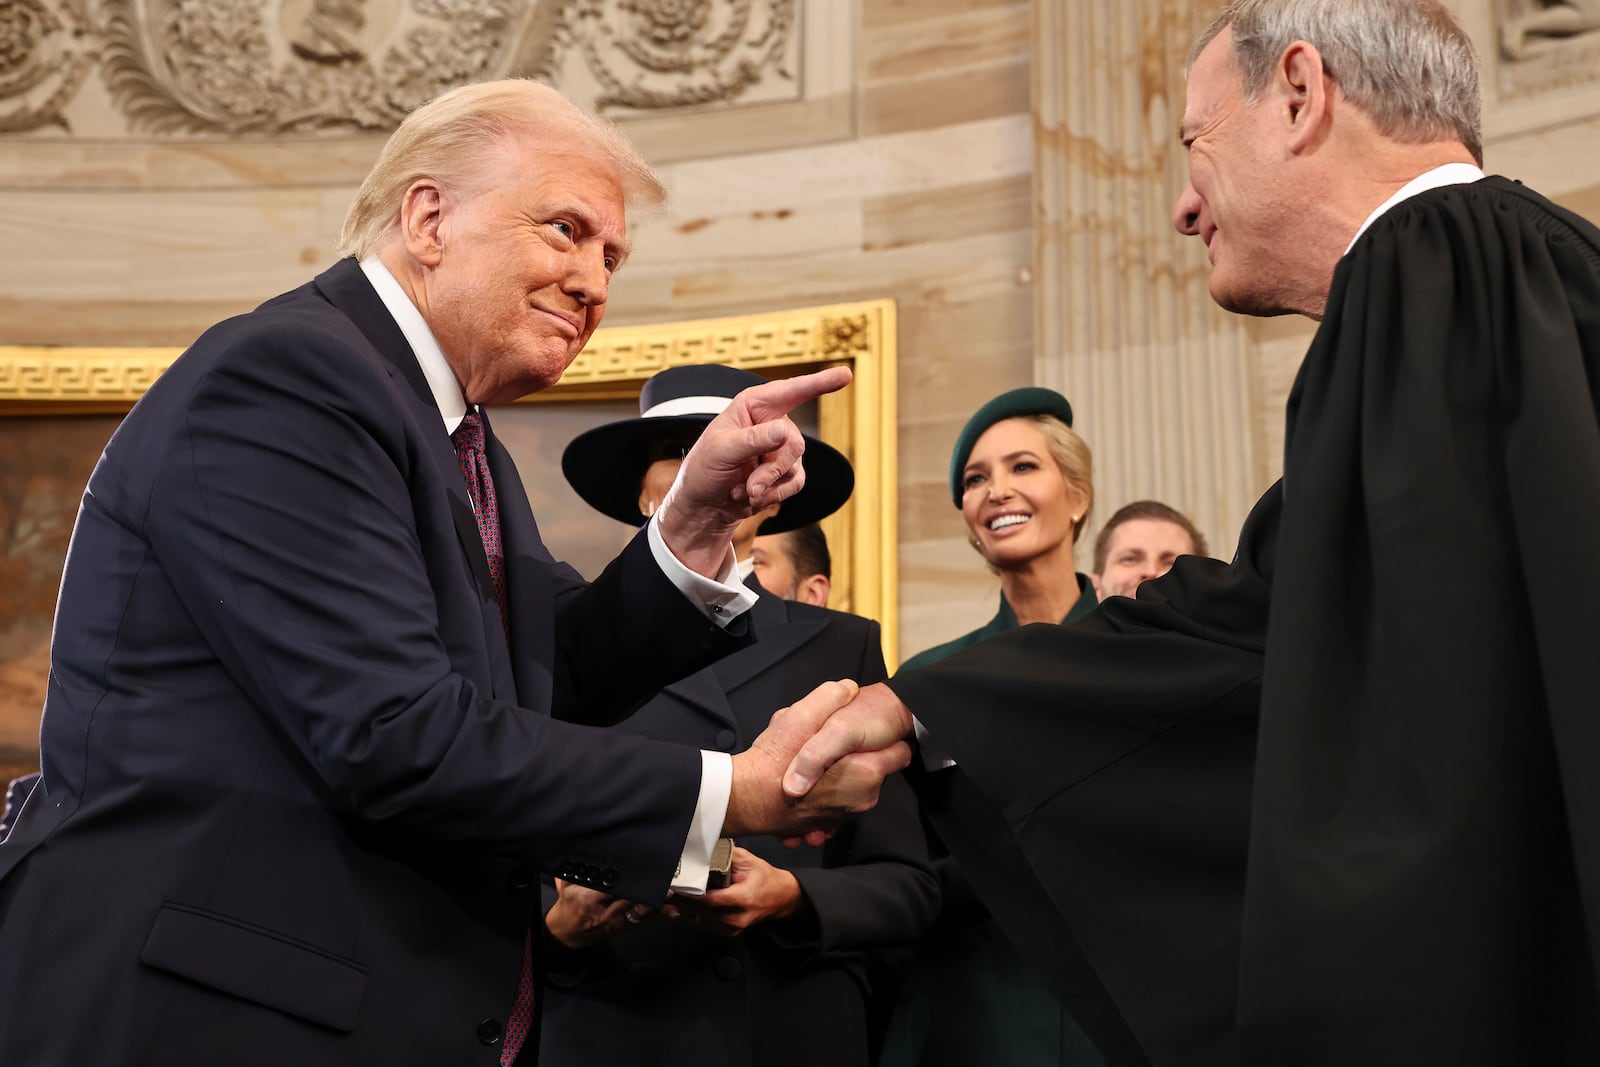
(430, 357)
(747, 567)
(1437, 178)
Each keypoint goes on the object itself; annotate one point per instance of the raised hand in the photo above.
(847, 786)
(747, 459)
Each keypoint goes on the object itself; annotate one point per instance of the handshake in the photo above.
(818, 762)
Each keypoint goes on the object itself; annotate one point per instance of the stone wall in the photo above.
(1002, 169)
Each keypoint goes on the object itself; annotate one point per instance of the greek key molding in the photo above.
(861, 421)
(39, 381)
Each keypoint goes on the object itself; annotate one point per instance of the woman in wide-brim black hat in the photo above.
(608, 464)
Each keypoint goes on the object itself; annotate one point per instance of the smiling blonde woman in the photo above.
(1022, 478)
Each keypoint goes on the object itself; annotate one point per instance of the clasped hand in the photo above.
(757, 892)
(807, 772)
(581, 916)
(818, 762)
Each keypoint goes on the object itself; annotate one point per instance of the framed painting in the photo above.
(59, 405)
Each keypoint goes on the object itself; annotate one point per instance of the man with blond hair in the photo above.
(1402, 866)
(312, 728)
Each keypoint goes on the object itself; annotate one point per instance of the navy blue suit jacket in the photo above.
(297, 784)
(669, 993)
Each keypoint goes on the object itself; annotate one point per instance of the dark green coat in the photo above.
(969, 998)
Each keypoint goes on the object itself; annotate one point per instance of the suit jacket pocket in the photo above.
(258, 965)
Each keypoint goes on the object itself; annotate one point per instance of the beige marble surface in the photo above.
(904, 163)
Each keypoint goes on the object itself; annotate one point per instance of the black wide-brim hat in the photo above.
(605, 465)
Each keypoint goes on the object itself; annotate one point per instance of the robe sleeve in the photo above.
(1104, 775)
(1426, 847)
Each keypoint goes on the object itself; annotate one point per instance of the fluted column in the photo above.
(1160, 378)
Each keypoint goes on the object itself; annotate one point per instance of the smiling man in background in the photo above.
(1141, 541)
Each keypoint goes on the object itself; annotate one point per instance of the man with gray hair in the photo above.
(1402, 865)
(320, 701)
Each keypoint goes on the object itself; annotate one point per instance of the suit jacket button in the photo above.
(725, 740)
(728, 968)
(519, 877)
(608, 877)
(490, 1031)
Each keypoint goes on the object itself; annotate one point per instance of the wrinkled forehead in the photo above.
(1213, 76)
(1216, 57)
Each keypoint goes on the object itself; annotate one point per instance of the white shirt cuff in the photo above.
(716, 786)
(723, 598)
(932, 758)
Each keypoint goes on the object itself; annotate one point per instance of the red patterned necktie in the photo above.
(521, 1020)
(469, 441)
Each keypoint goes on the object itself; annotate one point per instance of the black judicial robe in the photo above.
(968, 997)
(1417, 876)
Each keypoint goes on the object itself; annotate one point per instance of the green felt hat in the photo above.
(1029, 400)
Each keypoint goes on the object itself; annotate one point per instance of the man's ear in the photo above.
(1099, 593)
(422, 208)
(814, 590)
(1303, 89)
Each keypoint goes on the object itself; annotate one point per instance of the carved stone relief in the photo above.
(1546, 44)
(1534, 23)
(246, 67)
(45, 55)
(681, 52)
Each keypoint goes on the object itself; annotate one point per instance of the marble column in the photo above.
(1161, 380)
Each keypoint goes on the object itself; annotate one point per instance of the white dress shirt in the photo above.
(722, 599)
(1437, 178)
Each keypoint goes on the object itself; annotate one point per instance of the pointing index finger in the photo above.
(777, 398)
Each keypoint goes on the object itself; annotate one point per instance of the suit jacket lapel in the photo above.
(708, 689)
(703, 690)
(345, 286)
(777, 636)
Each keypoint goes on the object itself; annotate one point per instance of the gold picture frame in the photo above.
(860, 421)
